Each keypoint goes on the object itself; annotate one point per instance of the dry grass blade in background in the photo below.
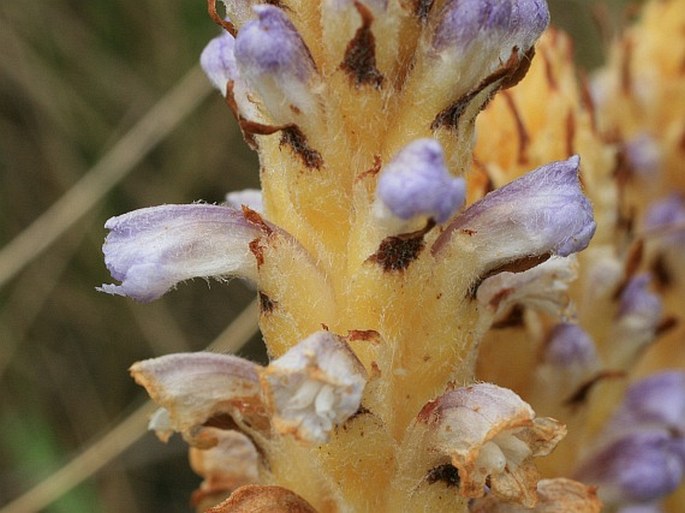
(125, 433)
(115, 165)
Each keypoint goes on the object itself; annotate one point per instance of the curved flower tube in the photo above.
(542, 213)
(152, 249)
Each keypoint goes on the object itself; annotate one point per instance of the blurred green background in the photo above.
(75, 78)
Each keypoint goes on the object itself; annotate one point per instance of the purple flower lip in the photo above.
(218, 61)
(638, 300)
(417, 182)
(640, 467)
(514, 23)
(543, 212)
(152, 249)
(569, 345)
(271, 45)
(658, 400)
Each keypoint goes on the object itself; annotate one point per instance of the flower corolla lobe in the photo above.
(152, 249)
(491, 436)
(542, 213)
(315, 386)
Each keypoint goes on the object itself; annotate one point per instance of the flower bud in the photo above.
(639, 467)
(417, 183)
(543, 288)
(193, 387)
(275, 62)
(569, 346)
(668, 216)
(656, 401)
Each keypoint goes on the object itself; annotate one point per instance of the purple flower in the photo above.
(638, 301)
(462, 21)
(656, 401)
(641, 508)
(218, 61)
(541, 213)
(505, 24)
(639, 467)
(417, 183)
(668, 214)
(152, 249)
(643, 155)
(275, 62)
(569, 345)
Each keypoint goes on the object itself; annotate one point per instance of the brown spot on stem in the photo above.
(570, 133)
(508, 75)
(549, 70)
(445, 473)
(375, 169)
(254, 217)
(266, 304)
(662, 274)
(586, 100)
(513, 320)
(523, 137)
(581, 395)
(360, 55)
(371, 336)
(422, 8)
(516, 266)
(632, 264)
(626, 59)
(258, 251)
(667, 324)
(293, 137)
(396, 252)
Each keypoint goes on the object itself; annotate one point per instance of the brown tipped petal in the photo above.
(491, 435)
(233, 462)
(554, 495)
(193, 387)
(263, 499)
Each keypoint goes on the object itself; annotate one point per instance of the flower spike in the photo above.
(152, 249)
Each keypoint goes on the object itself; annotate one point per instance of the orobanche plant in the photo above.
(431, 172)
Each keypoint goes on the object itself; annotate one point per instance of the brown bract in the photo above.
(555, 495)
(263, 499)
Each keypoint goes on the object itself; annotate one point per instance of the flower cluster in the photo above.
(434, 321)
